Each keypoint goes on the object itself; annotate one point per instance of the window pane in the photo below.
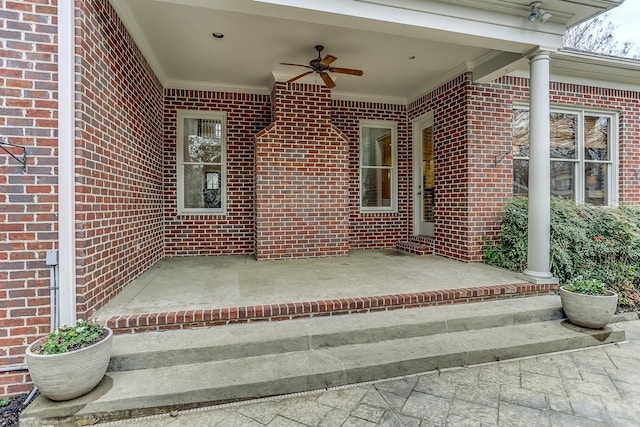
(376, 147)
(563, 180)
(202, 186)
(520, 177)
(520, 129)
(563, 135)
(202, 141)
(596, 138)
(595, 191)
(376, 187)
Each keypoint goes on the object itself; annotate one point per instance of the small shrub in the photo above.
(603, 243)
(69, 338)
(586, 286)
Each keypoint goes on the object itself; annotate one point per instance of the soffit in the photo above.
(444, 37)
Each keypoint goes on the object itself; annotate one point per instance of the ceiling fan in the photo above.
(321, 66)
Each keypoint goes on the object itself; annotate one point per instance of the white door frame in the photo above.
(419, 123)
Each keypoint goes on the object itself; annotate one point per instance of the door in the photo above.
(424, 179)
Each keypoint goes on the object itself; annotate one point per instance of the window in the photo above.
(583, 155)
(378, 166)
(201, 160)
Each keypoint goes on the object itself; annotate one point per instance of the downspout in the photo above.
(66, 162)
(52, 262)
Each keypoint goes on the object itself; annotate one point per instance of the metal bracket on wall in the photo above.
(499, 158)
(7, 147)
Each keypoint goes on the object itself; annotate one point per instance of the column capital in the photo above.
(539, 54)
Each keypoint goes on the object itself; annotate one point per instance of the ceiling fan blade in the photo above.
(351, 71)
(328, 60)
(328, 81)
(299, 76)
(296, 65)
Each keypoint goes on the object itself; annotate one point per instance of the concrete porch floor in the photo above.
(202, 291)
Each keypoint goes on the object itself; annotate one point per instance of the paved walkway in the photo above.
(593, 387)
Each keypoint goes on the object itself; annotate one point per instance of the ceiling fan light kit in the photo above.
(322, 66)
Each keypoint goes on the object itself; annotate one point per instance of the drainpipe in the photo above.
(12, 368)
(52, 262)
(66, 162)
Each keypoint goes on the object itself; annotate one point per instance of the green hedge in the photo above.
(589, 241)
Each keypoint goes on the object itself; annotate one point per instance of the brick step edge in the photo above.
(134, 323)
(414, 247)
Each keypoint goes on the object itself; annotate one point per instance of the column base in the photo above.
(539, 277)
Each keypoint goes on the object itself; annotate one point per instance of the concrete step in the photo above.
(157, 349)
(157, 372)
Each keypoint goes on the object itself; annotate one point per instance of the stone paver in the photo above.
(592, 387)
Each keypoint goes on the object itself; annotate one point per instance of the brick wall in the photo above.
(119, 200)
(451, 128)
(490, 110)
(232, 233)
(119, 161)
(28, 201)
(125, 145)
(302, 178)
(472, 137)
(376, 230)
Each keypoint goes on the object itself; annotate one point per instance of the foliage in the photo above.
(596, 36)
(69, 338)
(4, 402)
(586, 286)
(596, 242)
(511, 250)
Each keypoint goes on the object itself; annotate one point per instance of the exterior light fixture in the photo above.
(537, 13)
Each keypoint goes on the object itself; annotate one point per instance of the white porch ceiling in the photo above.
(444, 37)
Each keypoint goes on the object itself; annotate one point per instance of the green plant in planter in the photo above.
(69, 338)
(54, 359)
(581, 285)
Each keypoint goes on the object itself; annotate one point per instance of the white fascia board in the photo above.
(596, 70)
(564, 77)
(590, 70)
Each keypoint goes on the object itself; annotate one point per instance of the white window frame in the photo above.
(180, 163)
(579, 161)
(393, 127)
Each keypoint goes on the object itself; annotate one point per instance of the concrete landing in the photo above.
(188, 292)
(162, 371)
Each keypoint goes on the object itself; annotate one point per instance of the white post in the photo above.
(538, 250)
(66, 162)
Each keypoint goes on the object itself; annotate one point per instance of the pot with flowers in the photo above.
(71, 360)
(588, 302)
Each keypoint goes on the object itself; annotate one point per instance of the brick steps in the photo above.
(417, 245)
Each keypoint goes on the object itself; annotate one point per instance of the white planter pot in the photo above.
(69, 375)
(589, 311)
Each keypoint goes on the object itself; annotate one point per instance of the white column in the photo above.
(66, 162)
(538, 250)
